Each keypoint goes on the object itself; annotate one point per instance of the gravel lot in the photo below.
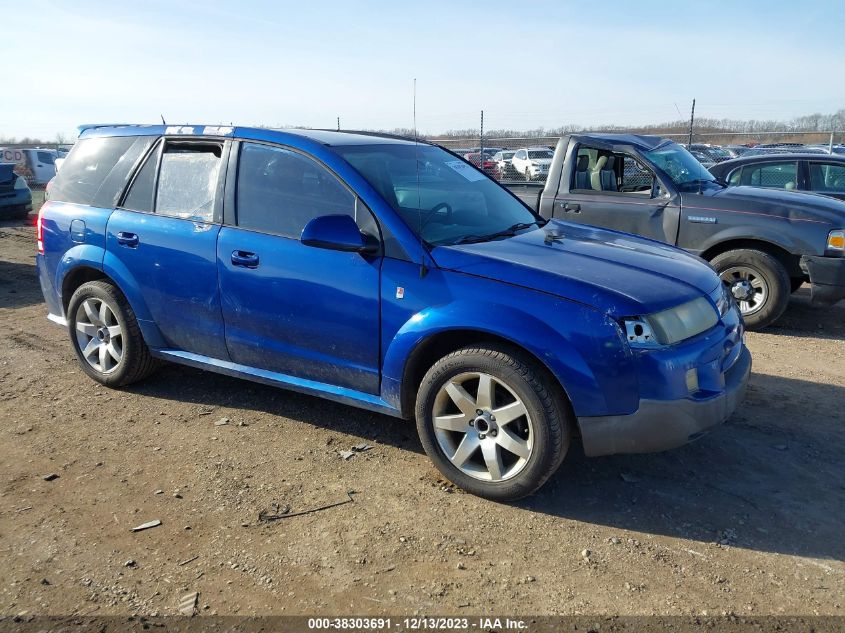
(749, 520)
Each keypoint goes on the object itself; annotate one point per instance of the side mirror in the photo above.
(337, 233)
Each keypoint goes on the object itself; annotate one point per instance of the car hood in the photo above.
(792, 205)
(541, 161)
(7, 172)
(618, 273)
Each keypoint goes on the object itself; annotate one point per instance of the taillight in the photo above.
(38, 232)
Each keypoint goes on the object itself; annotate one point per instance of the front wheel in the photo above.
(105, 335)
(490, 423)
(758, 282)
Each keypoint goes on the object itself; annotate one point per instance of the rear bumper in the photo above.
(659, 425)
(827, 278)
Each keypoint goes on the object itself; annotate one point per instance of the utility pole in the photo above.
(830, 145)
(338, 124)
(481, 143)
(691, 121)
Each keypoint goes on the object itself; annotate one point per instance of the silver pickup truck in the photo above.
(764, 243)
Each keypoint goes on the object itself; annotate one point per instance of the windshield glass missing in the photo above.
(455, 201)
(680, 165)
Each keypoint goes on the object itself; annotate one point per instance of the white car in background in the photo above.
(532, 162)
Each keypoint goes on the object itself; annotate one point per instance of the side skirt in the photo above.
(311, 387)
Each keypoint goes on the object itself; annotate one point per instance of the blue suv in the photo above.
(390, 275)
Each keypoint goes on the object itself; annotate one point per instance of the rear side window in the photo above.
(280, 191)
(45, 157)
(187, 181)
(776, 175)
(141, 196)
(87, 167)
(827, 177)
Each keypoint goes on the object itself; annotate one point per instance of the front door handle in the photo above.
(244, 259)
(571, 206)
(127, 239)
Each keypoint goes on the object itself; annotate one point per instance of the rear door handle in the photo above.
(127, 239)
(244, 259)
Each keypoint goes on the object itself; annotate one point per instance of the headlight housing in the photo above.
(835, 242)
(671, 326)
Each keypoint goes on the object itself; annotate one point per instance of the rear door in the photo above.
(293, 309)
(164, 234)
(614, 190)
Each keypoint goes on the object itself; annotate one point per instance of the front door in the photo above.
(289, 308)
(615, 191)
(165, 235)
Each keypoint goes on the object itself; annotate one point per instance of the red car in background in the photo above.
(487, 164)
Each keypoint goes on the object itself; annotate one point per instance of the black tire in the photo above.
(795, 284)
(773, 274)
(135, 363)
(544, 402)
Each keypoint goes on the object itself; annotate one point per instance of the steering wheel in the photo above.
(435, 209)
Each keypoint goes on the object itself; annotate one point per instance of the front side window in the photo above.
(774, 175)
(442, 199)
(187, 181)
(279, 191)
(827, 177)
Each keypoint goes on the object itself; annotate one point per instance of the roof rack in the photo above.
(375, 134)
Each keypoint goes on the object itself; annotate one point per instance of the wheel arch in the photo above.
(437, 345)
(789, 260)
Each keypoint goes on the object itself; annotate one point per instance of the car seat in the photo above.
(582, 178)
(602, 176)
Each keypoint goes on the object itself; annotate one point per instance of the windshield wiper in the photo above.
(508, 232)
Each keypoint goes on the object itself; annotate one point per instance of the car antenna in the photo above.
(163, 122)
(423, 269)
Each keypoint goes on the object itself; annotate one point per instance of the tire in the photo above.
(538, 435)
(795, 283)
(119, 356)
(768, 277)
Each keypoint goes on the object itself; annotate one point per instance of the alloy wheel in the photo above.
(482, 426)
(99, 334)
(748, 288)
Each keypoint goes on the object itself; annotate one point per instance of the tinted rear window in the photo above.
(87, 166)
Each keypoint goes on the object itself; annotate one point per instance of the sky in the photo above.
(526, 64)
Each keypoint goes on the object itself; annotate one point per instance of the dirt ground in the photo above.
(747, 521)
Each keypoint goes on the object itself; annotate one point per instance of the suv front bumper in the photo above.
(659, 425)
(827, 278)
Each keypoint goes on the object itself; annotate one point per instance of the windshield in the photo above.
(679, 165)
(455, 201)
(540, 153)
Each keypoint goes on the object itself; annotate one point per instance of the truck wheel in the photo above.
(105, 335)
(490, 423)
(758, 282)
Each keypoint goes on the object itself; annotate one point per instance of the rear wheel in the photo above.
(758, 282)
(488, 421)
(106, 336)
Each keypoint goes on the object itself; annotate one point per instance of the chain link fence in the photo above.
(35, 162)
